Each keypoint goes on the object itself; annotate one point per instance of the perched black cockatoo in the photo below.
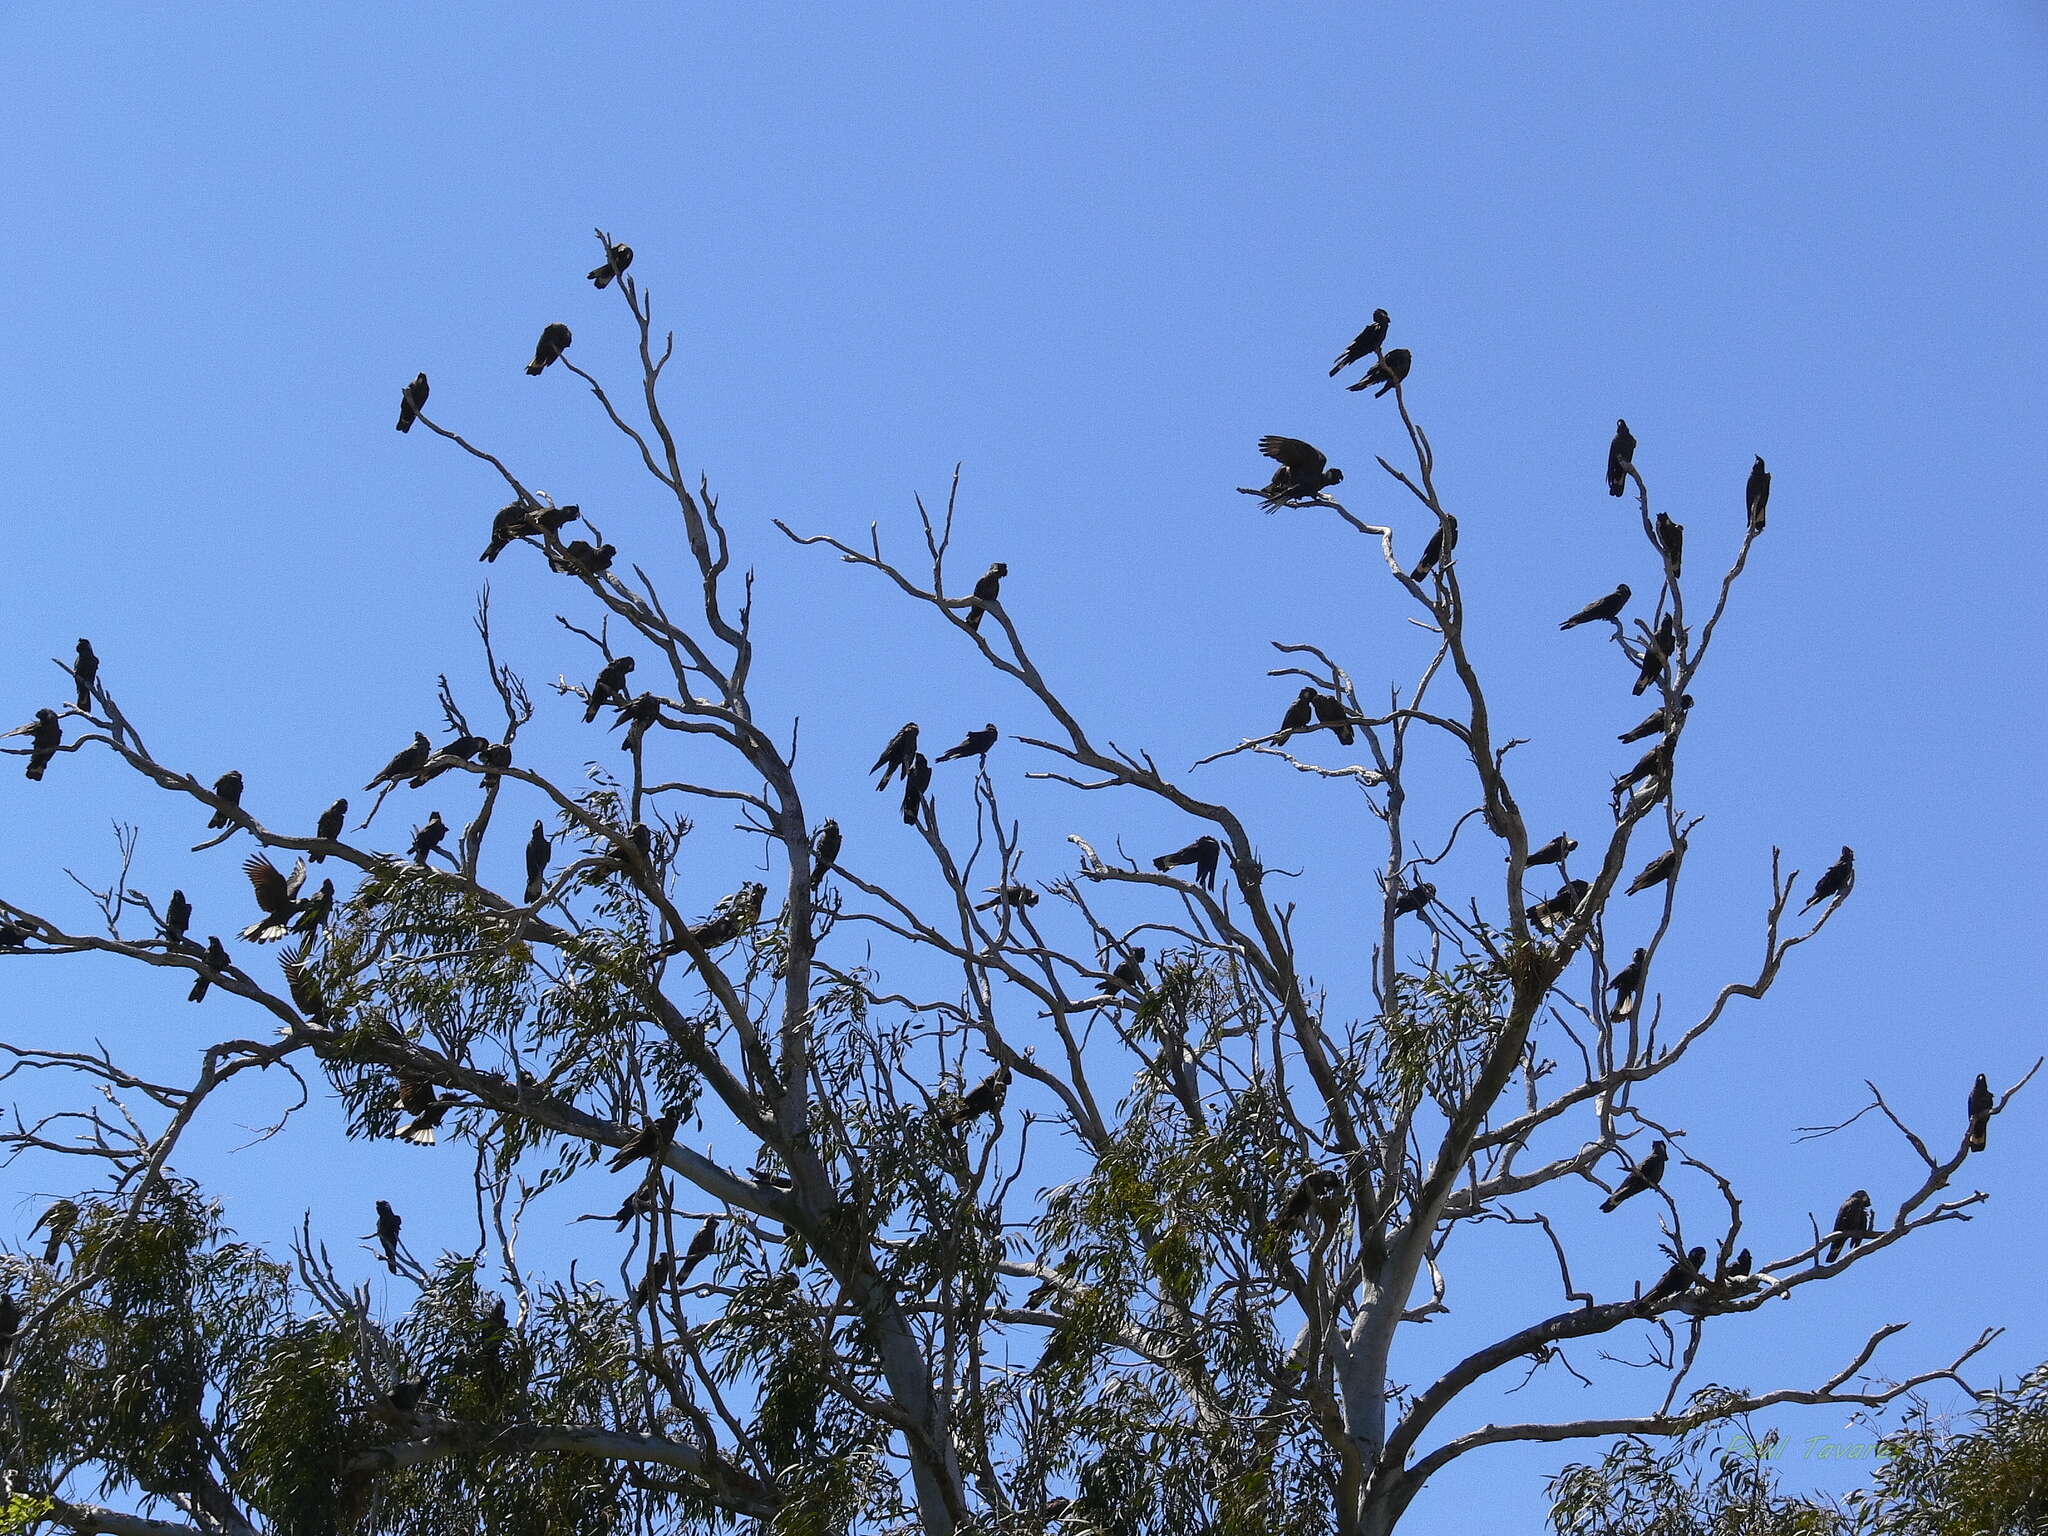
(651, 1141)
(1679, 1278)
(85, 671)
(1757, 494)
(1298, 716)
(461, 750)
(974, 744)
(427, 840)
(616, 259)
(1627, 986)
(1388, 372)
(1664, 718)
(45, 735)
(388, 1223)
(1203, 853)
(984, 1098)
(1836, 881)
(1365, 344)
(1556, 851)
(1647, 1174)
(57, 1220)
(1659, 869)
(702, 1246)
(579, 557)
(1440, 544)
(1982, 1103)
(1602, 608)
(896, 756)
(825, 851)
(1621, 458)
(1007, 896)
(409, 761)
(1331, 713)
(1321, 1192)
(537, 850)
(412, 402)
(1671, 544)
(1304, 473)
(1554, 913)
(227, 788)
(987, 590)
(329, 828)
(1852, 1225)
(610, 687)
(554, 341)
(917, 779)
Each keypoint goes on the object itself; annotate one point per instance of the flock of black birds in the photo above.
(1303, 475)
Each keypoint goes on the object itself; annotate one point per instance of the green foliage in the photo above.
(128, 1369)
(1989, 1478)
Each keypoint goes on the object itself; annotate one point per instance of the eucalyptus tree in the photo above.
(852, 1301)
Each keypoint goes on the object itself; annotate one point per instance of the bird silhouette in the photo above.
(411, 402)
(462, 749)
(1304, 473)
(329, 828)
(277, 895)
(1440, 544)
(1982, 1104)
(1388, 372)
(897, 755)
(45, 735)
(1331, 713)
(1660, 869)
(1556, 851)
(987, 590)
(1656, 652)
(538, 848)
(1647, 1174)
(917, 779)
(1836, 882)
(227, 789)
(1365, 344)
(427, 840)
(1603, 608)
(1671, 544)
(609, 688)
(1679, 1278)
(579, 557)
(407, 762)
(1852, 1225)
(616, 259)
(85, 671)
(702, 1246)
(1663, 718)
(1203, 853)
(1559, 909)
(1298, 716)
(824, 852)
(386, 1234)
(1621, 458)
(651, 1141)
(1627, 987)
(1414, 899)
(554, 341)
(974, 744)
(984, 1098)
(1756, 495)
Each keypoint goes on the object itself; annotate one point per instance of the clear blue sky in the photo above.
(1094, 252)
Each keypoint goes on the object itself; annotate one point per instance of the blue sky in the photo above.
(1094, 253)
